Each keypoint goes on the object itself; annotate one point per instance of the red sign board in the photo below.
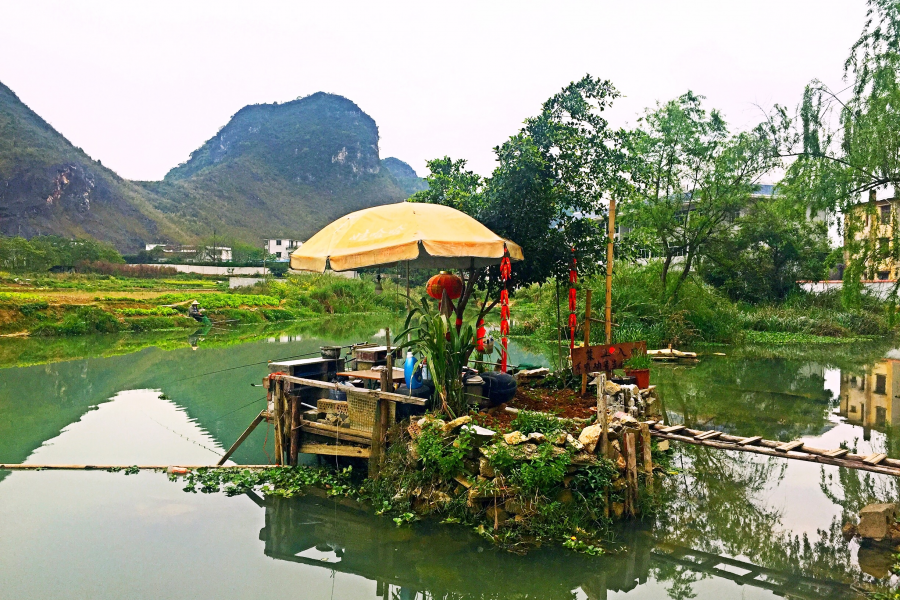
(592, 359)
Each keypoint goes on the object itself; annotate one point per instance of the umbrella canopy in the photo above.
(427, 235)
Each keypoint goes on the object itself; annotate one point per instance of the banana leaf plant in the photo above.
(434, 338)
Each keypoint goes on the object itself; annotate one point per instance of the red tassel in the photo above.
(458, 322)
(504, 311)
(572, 300)
(504, 327)
(573, 321)
(503, 346)
(504, 297)
(573, 276)
(480, 334)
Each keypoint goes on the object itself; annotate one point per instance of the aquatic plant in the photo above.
(446, 350)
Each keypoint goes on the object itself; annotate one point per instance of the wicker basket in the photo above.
(362, 411)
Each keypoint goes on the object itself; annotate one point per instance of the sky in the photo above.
(139, 85)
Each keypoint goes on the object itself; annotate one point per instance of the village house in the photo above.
(281, 248)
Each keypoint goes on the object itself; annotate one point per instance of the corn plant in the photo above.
(434, 337)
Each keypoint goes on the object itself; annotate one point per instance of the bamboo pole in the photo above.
(259, 419)
(587, 334)
(767, 448)
(609, 267)
(630, 472)
(602, 414)
(647, 455)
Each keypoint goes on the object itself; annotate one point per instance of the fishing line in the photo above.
(241, 408)
(216, 452)
(265, 362)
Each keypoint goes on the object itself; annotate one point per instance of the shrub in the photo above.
(123, 270)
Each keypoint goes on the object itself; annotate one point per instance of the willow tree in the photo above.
(846, 150)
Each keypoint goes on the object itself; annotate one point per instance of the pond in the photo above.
(738, 525)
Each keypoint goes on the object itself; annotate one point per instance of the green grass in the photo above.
(784, 337)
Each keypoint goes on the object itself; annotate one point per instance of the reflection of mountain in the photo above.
(872, 399)
(37, 402)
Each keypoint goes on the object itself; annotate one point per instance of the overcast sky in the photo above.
(139, 85)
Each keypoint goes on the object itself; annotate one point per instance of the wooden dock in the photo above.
(796, 450)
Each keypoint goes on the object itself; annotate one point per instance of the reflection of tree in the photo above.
(852, 490)
(775, 398)
(718, 504)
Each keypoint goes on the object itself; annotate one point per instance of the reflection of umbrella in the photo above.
(426, 235)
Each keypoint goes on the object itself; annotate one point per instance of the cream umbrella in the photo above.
(428, 236)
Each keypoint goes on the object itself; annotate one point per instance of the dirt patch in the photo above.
(563, 403)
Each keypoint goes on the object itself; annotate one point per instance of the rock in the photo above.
(620, 463)
(573, 443)
(612, 388)
(485, 468)
(618, 509)
(875, 521)
(590, 436)
(497, 514)
(530, 450)
(441, 498)
(629, 421)
(533, 373)
(514, 438)
(456, 424)
(848, 531)
(559, 439)
(584, 458)
(413, 449)
(662, 445)
(520, 518)
(480, 435)
(537, 437)
(875, 561)
(514, 507)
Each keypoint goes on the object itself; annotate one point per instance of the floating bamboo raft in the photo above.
(796, 450)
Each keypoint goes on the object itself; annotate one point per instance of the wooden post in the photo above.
(609, 267)
(279, 444)
(647, 455)
(630, 472)
(587, 334)
(601, 414)
(296, 424)
(375, 450)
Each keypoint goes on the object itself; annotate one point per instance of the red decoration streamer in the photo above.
(573, 320)
(505, 273)
(480, 335)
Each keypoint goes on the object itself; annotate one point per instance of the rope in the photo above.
(216, 452)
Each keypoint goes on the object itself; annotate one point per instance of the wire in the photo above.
(264, 362)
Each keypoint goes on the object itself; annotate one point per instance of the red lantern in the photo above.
(444, 282)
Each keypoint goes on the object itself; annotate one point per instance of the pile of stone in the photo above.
(630, 399)
(487, 489)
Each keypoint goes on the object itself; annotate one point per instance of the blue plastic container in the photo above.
(413, 375)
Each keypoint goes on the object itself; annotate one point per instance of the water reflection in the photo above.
(733, 522)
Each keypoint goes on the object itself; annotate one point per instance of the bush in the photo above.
(86, 319)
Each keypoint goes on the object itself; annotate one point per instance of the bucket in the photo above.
(330, 352)
(641, 376)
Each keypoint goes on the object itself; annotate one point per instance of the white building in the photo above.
(281, 247)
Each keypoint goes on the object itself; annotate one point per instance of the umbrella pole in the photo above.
(407, 285)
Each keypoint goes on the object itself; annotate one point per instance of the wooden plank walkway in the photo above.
(796, 450)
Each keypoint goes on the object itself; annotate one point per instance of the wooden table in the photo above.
(372, 375)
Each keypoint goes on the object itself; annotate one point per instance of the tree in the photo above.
(775, 246)
(844, 149)
(546, 191)
(690, 179)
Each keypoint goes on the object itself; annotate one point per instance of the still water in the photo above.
(739, 525)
